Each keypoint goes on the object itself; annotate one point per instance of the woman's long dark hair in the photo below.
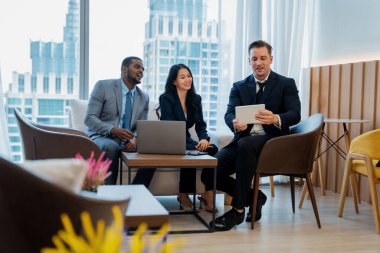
(171, 88)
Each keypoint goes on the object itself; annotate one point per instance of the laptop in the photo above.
(161, 137)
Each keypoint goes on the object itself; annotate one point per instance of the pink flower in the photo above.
(97, 171)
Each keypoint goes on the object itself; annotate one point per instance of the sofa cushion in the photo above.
(77, 114)
(68, 173)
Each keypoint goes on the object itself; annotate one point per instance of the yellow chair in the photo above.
(362, 158)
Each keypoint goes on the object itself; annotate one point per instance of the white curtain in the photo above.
(288, 27)
(4, 144)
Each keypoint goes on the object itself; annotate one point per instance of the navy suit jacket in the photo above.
(171, 109)
(280, 96)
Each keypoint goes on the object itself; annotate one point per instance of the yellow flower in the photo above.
(104, 239)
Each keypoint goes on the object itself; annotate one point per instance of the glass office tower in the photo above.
(178, 32)
(44, 94)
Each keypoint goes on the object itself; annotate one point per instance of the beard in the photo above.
(133, 79)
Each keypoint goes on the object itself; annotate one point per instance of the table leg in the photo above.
(214, 202)
(121, 171)
(129, 174)
(320, 167)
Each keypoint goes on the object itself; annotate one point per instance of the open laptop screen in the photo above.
(161, 137)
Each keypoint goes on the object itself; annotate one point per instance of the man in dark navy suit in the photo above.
(240, 156)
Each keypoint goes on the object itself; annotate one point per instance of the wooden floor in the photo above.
(280, 230)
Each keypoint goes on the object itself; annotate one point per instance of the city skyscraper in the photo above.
(44, 94)
(179, 32)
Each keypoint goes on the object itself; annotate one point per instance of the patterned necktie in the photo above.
(128, 112)
(259, 94)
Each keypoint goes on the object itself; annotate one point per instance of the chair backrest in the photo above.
(39, 143)
(367, 144)
(31, 207)
(294, 153)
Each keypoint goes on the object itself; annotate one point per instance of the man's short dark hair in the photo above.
(260, 43)
(127, 61)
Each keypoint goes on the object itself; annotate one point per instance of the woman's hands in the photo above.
(203, 145)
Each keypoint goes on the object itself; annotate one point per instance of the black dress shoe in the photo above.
(228, 220)
(261, 200)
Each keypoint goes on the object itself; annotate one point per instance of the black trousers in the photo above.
(241, 158)
(187, 176)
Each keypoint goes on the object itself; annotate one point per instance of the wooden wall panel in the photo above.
(345, 91)
(323, 108)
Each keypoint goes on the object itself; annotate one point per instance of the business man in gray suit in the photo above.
(114, 107)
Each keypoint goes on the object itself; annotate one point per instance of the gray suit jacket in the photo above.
(105, 108)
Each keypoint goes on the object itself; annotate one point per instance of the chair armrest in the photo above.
(220, 138)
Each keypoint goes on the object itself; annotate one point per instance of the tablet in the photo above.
(247, 113)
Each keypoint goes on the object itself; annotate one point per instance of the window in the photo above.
(12, 120)
(34, 84)
(164, 43)
(190, 28)
(180, 28)
(28, 101)
(214, 46)
(70, 85)
(21, 83)
(46, 84)
(195, 50)
(214, 55)
(181, 48)
(170, 26)
(28, 111)
(50, 107)
(51, 121)
(58, 85)
(14, 139)
(12, 130)
(14, 101)
(160, 26)
(16, 158)
(15, 148)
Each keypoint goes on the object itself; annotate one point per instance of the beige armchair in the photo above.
(43, 142)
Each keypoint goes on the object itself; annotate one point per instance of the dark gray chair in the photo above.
(291, 155)
(31, 208)
(44, 142)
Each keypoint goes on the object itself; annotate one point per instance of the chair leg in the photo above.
(345, 182)
(256, 184)
(312, 198)
(292, 193)
(354, 188)
(373, 192)
(271, 184)
(304, 192)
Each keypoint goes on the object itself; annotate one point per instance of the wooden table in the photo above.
(141, 161)
(143, 206)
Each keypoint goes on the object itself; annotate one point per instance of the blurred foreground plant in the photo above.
(109, 239)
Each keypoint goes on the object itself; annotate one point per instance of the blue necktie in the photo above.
(128, 112)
